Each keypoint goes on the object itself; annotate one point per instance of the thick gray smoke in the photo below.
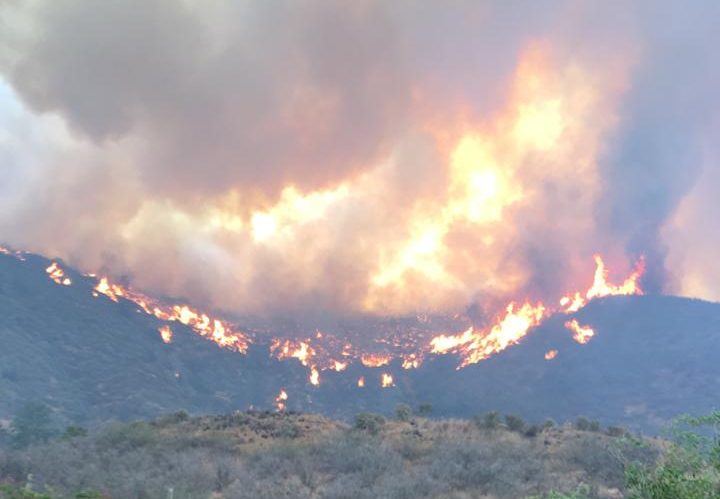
(262, 156)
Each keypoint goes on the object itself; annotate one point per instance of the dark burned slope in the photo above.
(93, 360)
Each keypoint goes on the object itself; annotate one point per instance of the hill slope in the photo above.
(92, 360)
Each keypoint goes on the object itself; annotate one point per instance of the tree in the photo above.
(33, 424)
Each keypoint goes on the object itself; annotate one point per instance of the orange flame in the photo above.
(551, 354)
(361, 382)
(375, 360)
(166, 334)
(339, 366)
(280, 400)
(601, 287)
(314, 376)
(508, 330)
(57, 274)
(215, 330)
(411, 361)
(581, 334)
(387, 380)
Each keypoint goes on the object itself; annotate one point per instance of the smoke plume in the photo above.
(315, 157)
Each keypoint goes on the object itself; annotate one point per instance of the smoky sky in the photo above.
(123, 119)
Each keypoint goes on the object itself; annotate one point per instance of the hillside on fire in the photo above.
(92, 359)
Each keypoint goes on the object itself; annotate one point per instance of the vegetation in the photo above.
(690, 469)
(270, 455)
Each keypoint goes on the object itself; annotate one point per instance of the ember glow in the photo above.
(581, 334)
(386, 380)
(551, 354)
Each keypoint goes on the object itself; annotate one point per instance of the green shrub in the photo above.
(367, 421)
(424, 409)
(403, 412)
(514, 423)
(615, 431)
(488, 421)
(549, 423)
(689, 470)
(582, 423)
(32, 425)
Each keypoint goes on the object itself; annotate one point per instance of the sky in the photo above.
(365, 157)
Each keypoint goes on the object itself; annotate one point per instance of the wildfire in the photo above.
(600, 286)
(375, 360)
(339, 366)
(57, 274)
(474, 345)
(210, 328)
(166, 333)
(280, 400)
(314, 376)
(288, 349)
(581, 334)
(320, 351)
(411, 361)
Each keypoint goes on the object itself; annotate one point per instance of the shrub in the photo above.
(488, 421)
(403, 412)
(690, 469)
(424, 409)
(549, 423)
(74, 432)
(532, 431)
(514, 423)
(615, 431)
(367, 421)
(582, 423)
(32, 425)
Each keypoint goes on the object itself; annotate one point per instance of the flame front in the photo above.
(321, 351)
(476, 345)
(210, 328)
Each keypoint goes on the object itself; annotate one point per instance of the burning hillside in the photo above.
(326, 351)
